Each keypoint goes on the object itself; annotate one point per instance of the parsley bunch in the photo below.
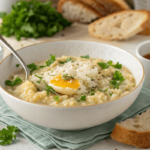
(7, 135)
(32, 19)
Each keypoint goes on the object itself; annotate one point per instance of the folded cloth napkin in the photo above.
(47, 138)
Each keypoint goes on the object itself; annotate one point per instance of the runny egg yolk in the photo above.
(72, 83)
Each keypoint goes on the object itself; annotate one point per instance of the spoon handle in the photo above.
(2, 40)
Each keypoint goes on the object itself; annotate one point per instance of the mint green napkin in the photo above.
(47, 138)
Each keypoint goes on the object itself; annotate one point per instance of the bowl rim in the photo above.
(138, 49)
(45, 105)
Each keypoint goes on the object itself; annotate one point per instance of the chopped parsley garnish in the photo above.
(105, 90)
(39, 78)
(109, 63)
(66, 77)
(86, 56)
(92, 93)
(117, 79)
(103, 65)
(56, 98)
(111, 94)
(67, 60)
(118, 76)
(7, 135)
(51, 60)
(17, 65)
(50, 89)
(32, 67)
(82, 98)
(42, 66)
(118, 66)
(12, 83)
(92, 79)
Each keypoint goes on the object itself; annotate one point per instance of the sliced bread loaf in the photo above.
(119, 26)
(146, 30)
(75, 10)
(134, 131)
(97, 6)
(113, 5)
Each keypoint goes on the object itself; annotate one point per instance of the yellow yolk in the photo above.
(72, 83)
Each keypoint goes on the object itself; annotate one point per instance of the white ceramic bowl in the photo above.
(143, 49)
(71, 118)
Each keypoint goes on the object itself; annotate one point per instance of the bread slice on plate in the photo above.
(77, 11)
(97, 6)
(114, 5)
(135, 131)
(119, 26)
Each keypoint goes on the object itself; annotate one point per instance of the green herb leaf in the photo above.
(111, 94)
(103, 65)
(38, 76)
(2, 14)
(115, 84)
(56, 98)
(100, 90)
(66, 77)
(33, 19)
(117, 79)
(32, 67)
(12, 83)
(86, 56)
(92, 93)
(51, 60)
(82, 98)
(118, 76)
(110, 62)
(50, 89)
(118, 66)
(17, 65)
(105, 90)
(7, 135)
(67, 60)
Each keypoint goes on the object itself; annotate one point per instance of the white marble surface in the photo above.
(76, 32)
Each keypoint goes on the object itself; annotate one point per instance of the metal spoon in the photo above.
(17, 56)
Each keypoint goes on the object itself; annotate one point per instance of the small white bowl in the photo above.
(1, 52)
(71, 118)
(141, 50)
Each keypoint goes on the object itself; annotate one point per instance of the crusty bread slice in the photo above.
(134, 131)
(113, 5)
(119, 26)
(146, 30)
(77, 11)
(97, 6)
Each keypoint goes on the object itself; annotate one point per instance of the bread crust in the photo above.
(97, 6)
(146, 30)
(131, 137)
(139, 29)
(61, 2)
(113, 5)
